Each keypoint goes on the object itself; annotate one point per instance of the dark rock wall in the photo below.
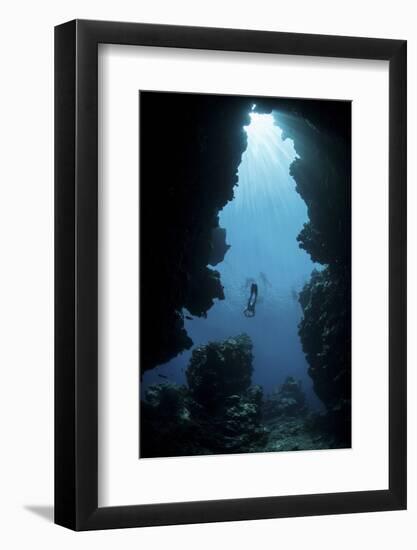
(323, 179)
(190, 149)
(219, 370)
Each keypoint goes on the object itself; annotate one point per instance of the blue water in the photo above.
(262, 223)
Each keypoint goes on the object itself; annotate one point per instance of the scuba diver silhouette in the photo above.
(250, 309)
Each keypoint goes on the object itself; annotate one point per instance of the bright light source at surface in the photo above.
(265, 136)
(259, 123)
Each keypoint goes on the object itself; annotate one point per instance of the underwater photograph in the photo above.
(245, 274)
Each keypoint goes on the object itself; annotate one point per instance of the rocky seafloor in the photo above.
(220, 411)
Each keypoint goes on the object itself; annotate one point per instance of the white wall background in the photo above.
(26, 272)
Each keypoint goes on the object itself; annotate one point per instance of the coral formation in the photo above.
(291, 425)
(220, 370)
(325, 336)
(289, 400)
(295, 433)
(224, 403)
(165, 425)
(219, 411)
(219, 247)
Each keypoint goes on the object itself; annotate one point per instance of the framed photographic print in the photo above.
(230, 275)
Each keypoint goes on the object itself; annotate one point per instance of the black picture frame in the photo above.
(76, 272)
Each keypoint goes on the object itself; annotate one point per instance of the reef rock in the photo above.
(166, 428)
(325, 336)
(218, 412)
(219, 247)
(288, 401)
(226, 406)
(220, 370)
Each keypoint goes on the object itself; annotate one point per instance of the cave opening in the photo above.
(261, 224)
